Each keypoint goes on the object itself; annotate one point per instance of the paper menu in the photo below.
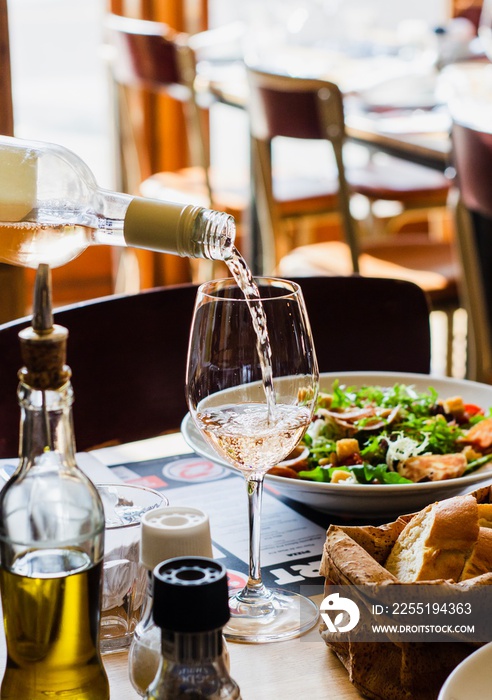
(291, 544)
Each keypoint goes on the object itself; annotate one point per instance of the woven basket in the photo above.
(388, 670)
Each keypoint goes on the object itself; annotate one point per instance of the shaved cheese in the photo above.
(316, 427)
(403, 448)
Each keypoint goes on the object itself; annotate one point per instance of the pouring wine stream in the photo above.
(249, 421)
(244, 278)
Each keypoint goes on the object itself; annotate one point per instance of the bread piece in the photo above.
(485, 514)
(436, 543)
(480, 560)
(345, 560)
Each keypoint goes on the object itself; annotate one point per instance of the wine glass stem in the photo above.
(254, 485)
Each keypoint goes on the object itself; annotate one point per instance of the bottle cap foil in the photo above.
(174, 531)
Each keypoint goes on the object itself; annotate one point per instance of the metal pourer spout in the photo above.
(42, 313)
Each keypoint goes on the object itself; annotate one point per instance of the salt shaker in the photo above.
(165, 533)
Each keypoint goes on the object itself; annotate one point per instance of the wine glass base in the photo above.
(283, 615)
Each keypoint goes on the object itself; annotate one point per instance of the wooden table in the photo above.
(429, 148)
(291, 670)
(298, 668)
(294, 669)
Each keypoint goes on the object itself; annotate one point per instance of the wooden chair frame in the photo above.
(472, 204)
(479, 332)
(134, 45)
(328, 103)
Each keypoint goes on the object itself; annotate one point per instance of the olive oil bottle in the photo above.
(51, 533)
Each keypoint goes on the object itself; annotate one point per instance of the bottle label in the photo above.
(18, 180)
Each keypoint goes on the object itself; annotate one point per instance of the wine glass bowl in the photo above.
(252, 382)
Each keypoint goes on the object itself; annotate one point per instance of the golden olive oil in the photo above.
(51, 626)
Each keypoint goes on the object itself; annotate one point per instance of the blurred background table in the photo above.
(421, 138)
(417, 135)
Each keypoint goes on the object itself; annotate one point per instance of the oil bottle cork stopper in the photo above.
(44, 344)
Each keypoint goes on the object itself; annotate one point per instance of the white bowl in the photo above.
(471, 679)
(373, 500)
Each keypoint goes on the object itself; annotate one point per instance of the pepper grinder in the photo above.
(191, 606)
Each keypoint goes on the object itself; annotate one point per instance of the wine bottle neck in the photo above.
(185, 230)
(51, 210)
(166, 227)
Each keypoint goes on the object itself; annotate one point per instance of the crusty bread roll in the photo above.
(485, 514)
(480, 560)
(437, 542)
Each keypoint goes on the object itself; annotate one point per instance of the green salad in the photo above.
(391, 435)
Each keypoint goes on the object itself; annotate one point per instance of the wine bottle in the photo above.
(51, 210)
(51, 533)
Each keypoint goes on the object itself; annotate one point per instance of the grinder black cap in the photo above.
(190, 595)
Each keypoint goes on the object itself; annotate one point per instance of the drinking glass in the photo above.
(252, 382)
(125, 577)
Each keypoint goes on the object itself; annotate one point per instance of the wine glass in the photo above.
(251, 385)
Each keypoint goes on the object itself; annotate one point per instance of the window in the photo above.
(59, 82)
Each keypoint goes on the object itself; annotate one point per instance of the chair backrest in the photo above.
(299, 108)
(472, 159)
(128, 353)
(368, 324)
(150, 55)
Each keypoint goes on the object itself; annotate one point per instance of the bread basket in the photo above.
(387, 670)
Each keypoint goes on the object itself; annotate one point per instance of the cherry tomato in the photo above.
(473, 410)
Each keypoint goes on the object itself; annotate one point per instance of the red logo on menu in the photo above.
(151, 482)
(236, 580)
(194, 469)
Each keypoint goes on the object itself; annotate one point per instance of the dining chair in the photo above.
(472, 205)
(308, 109)
(299, 108)
(128, 352)
(150, 55)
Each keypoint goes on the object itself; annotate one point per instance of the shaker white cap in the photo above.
(174, 531)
